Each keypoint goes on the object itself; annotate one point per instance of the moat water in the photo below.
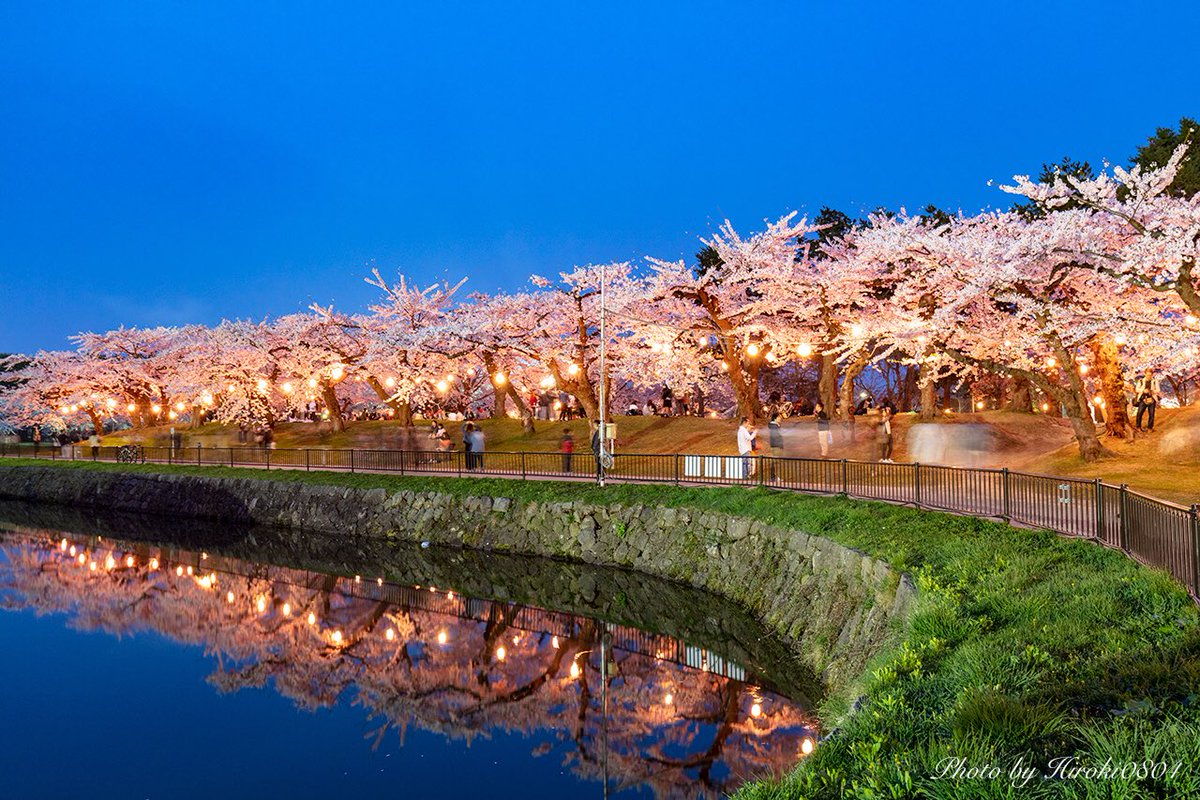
(149, 659)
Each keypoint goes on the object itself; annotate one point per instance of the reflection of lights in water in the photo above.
(379, 581)
(110, 562)
(189, 571)
(358, 578)
(179, 571)
(62, 545)
(449, 595)
(554, 642)
(516, 639)
(154, 563)
(312, 618)
(337, 637)
(205, 582)
(574, 669)
(82, 558)
(806, 747)
(443, 637)
(389, 634)
(287, 609)
(72, 550)
(261, 604)
(129, 561)
(92, 566)
(229, 597)
(670, 698)
(501, 653)
(756, 710)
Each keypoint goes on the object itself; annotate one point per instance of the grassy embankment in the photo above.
(1023, 647)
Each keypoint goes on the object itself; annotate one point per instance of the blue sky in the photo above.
(163, 163)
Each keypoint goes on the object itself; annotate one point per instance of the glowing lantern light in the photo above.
(129, 561)
(312, 618)
(172, 415)
(751, 350)
(287, 609)
(573, 369)
(442, 386)
(64, 410)
(670, 698)
(62, 545)
(189, 572)
(154, 563)
(1083, 369)
(500, 378)
(110, 403)
(312, 383)
(756, 710)
(979, 405)
(390, 382)
(574, 670)
(110, 562)
(287, 387)
(179, 571)
(229, 597)
(72, 550)
(131, 408)
(554, 642)
(261, 383)
(1051, 361)
(92, 566)
(337, 373)
(806, 746)
(180, 406)
(501, 653)
(443, 637)
(856, 330)
(1191, 319)
(389, 634)
(82, 558)
(1045, 406)
(261, 604)
(337, 637)
(156, 408)
(1119, 340)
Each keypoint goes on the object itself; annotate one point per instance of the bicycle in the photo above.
(131, 454)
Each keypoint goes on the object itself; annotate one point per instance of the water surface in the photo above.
(144, 669)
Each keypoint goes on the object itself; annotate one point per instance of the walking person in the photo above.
(747, 437)
(595, 444)
(775, 438)
(668, 399)
(94, 442)
(1148, 394)
(883, 436)
(478, 442)
(566, 446)
(468, 457)
(824, 434)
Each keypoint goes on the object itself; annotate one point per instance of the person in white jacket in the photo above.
(746, 437)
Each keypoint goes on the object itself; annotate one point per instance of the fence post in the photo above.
(1006, 496)
(352, 460)
(522, 465)
(403, 453)
(231, 456)
(845, 479)
(268, 451)
(170, 453)
(917, 485)
(197, 455)
(1194, 513)
(1100, 531)
(306, 452)
(677, 469)
(1124, 512)
(762, 467)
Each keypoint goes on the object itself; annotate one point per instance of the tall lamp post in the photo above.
(603, 465)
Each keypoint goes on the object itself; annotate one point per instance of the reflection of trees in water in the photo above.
(669, 726)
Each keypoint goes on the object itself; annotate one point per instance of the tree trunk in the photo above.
(928, 395)
(827, 383)
(1106, 360)
(329, 396)
(403, 410)
(1021, 398)
(97, 422)
(502, 392)
(580, 385)
(846, 391)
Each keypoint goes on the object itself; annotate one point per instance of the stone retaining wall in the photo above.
(834, 606)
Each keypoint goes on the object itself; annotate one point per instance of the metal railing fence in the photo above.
(1152, 531)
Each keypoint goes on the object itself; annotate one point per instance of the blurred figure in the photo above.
(746, 439)
(566, 446)
(775, 439)
(963, 445)
(824, 434)
(883, 435)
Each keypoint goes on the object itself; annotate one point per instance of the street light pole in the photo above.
(603, 373)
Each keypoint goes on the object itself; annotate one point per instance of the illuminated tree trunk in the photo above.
(827, 383)
(503, 391)
(1021, 398)
(403, 410)
(929, 405)
(97, 422)
(329, 396)
(1107, 366)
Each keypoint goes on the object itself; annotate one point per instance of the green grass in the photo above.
(1022, 646)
